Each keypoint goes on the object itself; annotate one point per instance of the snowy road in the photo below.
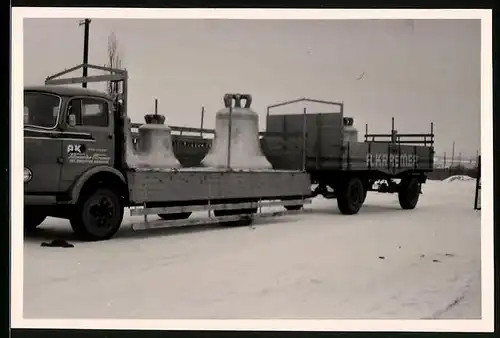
(382, 263)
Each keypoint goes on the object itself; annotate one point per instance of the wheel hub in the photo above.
(101, 211)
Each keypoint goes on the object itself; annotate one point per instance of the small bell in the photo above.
(155, 143)
(131, 158)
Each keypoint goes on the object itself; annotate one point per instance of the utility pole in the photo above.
(453, 154)
(86, 24)
(202, 118)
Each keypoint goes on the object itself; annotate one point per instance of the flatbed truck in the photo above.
(75, 164)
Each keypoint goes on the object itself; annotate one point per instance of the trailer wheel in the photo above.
(98, 215)
(32, 219)
(409, 193)
(350, 196)
(174, 216)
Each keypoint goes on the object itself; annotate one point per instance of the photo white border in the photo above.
(486, 324)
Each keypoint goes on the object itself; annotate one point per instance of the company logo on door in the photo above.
(76, 148)
(79, 154)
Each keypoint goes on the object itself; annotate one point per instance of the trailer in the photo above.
(75, 167)
(325, 145)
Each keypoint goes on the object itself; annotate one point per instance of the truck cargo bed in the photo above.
(200, 185)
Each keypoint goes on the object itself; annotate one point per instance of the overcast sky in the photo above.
(415, 70)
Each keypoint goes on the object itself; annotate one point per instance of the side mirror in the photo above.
(72, 120)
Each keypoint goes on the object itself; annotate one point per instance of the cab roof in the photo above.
(68, 91)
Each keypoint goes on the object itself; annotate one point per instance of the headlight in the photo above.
(27, 175)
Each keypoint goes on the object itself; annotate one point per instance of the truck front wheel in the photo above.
(409, 193)
(98, 215)
(350, 196)
(32, 219)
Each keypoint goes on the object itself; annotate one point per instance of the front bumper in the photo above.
(40, 199)
(45, 199)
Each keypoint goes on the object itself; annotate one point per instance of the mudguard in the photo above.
(77, 187)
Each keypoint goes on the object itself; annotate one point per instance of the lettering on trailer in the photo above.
(379, 160)
(80, 154)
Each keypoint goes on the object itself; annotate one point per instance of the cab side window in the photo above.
(94, 113)
(89, 112)
(75, 108)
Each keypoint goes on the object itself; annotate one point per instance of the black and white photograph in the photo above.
(253, 167)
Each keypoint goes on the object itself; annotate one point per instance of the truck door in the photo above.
(90, 140)
(42, 142)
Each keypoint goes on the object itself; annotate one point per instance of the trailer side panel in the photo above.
(326, 149)
(391, 158)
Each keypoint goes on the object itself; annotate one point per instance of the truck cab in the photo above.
(66, 132)
(69, 136)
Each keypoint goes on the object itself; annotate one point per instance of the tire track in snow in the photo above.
(455, 302)
(468, 301)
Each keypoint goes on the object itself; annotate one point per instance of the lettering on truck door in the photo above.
(91, 142)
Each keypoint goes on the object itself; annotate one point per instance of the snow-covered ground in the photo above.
(459, 178)
(384, 262)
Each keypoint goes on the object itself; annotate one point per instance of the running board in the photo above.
(245, 219)
(142, 211)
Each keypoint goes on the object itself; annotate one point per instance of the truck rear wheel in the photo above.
(244, 221)
(294, 207)
(409, 193)
(98, 215)
(174, 216)
(230, 212)
(32, 219)
(350, 196)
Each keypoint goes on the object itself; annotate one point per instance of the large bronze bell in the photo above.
(236, 143)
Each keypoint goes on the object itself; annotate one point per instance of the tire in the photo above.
(98, 215)
(409, 193)
(242, 222)
(32, 219)
(221, 213)
(365, 192)
(350, 196)
(174, 216)
(294, 207)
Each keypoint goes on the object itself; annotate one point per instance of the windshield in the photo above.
(41, 109)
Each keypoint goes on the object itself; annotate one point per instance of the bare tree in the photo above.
(114, 61)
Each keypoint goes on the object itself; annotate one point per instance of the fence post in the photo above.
(477, 197)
